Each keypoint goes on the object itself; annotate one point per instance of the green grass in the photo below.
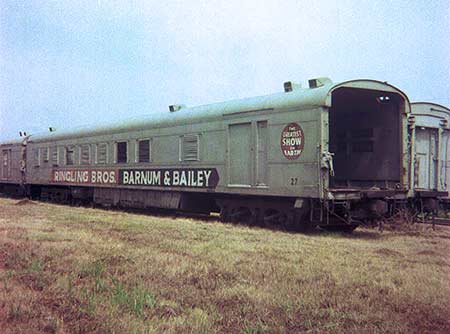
(134, 300)
(78, 270)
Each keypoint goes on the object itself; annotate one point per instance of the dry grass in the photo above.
(79, 270)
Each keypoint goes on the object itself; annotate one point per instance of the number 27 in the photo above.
(294, 181)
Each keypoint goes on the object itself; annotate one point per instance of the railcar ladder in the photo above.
(316, 211)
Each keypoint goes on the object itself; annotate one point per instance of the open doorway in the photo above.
(365, 137)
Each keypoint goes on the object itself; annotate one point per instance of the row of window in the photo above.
(188, 151)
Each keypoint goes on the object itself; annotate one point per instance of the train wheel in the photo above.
(291, 223)
(273, 217)
(256, 217)
(224, 214)
(298, 220)
(241, 215)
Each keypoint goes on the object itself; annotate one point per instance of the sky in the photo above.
(67, 64)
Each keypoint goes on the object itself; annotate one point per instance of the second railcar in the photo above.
(12, 167)
(430, 141)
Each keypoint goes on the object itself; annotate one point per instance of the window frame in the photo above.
(116, 152)
(66, 149)
(137, 150)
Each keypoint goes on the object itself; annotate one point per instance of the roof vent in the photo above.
(289, 86)
(176, 107)
(319, 82)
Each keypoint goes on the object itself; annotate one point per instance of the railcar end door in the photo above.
(426, 157)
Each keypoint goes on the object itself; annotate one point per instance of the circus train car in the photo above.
(430, 140)
(329, 155)
(12, 167)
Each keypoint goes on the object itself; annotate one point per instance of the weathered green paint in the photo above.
(430, 137)
(306, 176)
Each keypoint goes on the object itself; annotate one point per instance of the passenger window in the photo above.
(101, 154)
(121, 151)
(69, 155)
(143, 151)
(189, 148)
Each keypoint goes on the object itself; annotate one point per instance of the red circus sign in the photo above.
(292, 141)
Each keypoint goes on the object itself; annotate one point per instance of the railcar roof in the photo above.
(429, 107)
(12, 142)
(428, 114)
(303, 98)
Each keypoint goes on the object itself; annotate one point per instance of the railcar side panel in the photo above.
(10, 169)
(430, 132)
(274, 165)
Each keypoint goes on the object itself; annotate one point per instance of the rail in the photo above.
(436, 221)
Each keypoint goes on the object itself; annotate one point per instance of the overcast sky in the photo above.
(72, 63)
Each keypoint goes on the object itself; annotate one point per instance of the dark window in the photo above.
(144, 151)
(69, 155)
(122, 152)
(189, 148)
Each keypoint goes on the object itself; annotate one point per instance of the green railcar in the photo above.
(430, 159)
(330, 154)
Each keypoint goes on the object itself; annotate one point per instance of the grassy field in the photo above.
(78, 270)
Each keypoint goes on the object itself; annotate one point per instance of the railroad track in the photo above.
(436, 221)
